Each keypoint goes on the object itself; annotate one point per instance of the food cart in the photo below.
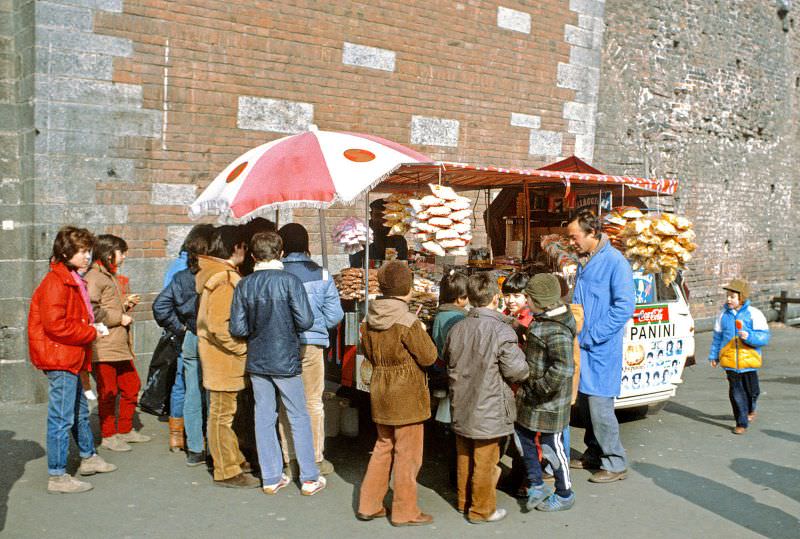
(532, 205)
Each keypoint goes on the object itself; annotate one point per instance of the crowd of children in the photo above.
(252, 312)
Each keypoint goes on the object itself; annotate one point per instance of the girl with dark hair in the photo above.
(175, 310)
(516, 303)
(60, 334)
(114, 368)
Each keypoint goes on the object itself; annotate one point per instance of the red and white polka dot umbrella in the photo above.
(311, 169)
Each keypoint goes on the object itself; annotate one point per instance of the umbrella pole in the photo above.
(323, 242)
(366, 259)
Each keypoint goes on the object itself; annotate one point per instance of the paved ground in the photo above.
(689, 477)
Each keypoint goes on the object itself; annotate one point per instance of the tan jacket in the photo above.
(577, 312)
(397, 345)
(222, 356)
(108, 305)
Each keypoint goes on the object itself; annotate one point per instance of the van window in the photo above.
(665, 292)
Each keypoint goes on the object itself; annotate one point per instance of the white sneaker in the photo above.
(66, 484)
(133, 437)
(95, 464)
(275, 487)
(115, 443)
(312, 487)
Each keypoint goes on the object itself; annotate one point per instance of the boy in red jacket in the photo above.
(60, 335)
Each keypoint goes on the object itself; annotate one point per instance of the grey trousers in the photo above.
(602, 433)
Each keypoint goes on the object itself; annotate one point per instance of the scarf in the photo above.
(84, 294)
(268, 265)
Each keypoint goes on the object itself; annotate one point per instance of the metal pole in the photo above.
(366, 259)
(323, 232)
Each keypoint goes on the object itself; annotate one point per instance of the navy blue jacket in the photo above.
(270, 309)
(175, 308)
(322, 295)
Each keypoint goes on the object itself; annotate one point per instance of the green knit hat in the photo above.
(544, 290)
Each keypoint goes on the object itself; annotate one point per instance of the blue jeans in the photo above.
(193, 403)
(743, 391)
(293, 398)
(67, 410)
(602, 440)
(178, 391)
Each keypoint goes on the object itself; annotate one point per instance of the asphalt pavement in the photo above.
(689, 477)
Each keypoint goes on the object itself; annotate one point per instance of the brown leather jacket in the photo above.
(109, 306)
(222, 356)
(483, 357)
(398, 347)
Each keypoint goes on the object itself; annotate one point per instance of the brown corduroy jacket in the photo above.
(108, 305)
(398, 347)
(222, 356)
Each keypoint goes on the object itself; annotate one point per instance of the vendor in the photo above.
(382, 239)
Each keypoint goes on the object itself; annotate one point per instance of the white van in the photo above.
(658, 341)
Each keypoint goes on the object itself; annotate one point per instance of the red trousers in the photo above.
(116, 378)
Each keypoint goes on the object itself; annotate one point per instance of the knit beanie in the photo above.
(544, 290)
(295, 238)
(740, 286)
(395, 278)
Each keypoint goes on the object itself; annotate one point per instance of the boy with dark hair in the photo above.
(483, 357)
(544, 399)
(514, 295)
(397, 346)
(222, 356)
(270, 309)
(327, 307)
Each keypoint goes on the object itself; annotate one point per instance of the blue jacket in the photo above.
(175, 308)
(270, 309)
(179, 264)
(604, 287)
(753, 321)
(322, 295)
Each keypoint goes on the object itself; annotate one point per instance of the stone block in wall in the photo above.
(526, 120)
(16, 274)
(175, 236)
(96, 92)
(595, 8)
(512, 19)
(146, 274)
(63, 16)
(579, 37)
(370, 57)
(172, 194)
(18, 383)
(104, 5)
(141, 123)
(434, 131)
(66, 39)
(76, 64)
(546, 143)
(275, 115)
(77, 142)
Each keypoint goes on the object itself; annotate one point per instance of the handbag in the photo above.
(161, 375)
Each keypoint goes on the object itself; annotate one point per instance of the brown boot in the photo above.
(176, 434)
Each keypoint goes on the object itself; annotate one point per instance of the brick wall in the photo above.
(709, 92)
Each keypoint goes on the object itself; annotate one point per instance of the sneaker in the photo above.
(325, 467)
(554, 502)
(275, 487)
(499, 514)
(195, 459)
(133, 437)
(537, 494)
(312, 487)
(66, 484)
(243, 480)
(114, 443)
(95, 464)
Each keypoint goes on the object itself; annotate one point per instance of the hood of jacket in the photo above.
(209, 267)
(562, 315)
(385, 312)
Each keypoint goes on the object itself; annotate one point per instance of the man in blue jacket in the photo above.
(604, 287)
(270, 309)
(324, 300)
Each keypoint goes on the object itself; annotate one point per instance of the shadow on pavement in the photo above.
(794, 380)
(788, 436)
(779, 478)
(15, 454)
(730, 504)
(696, 415)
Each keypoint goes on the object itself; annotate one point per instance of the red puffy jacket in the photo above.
(59, 333)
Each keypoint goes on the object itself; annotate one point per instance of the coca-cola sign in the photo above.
(652, 314)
